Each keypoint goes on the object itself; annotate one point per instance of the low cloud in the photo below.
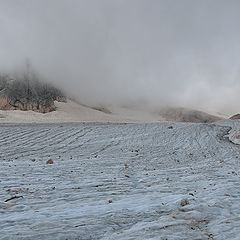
(181, 53)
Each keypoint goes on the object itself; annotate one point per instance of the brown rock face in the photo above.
(26, 105)
(235, 117)
(28, 93)
(4, 103)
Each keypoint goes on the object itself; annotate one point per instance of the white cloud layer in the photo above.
(103, 51)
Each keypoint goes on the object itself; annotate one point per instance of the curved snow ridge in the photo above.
(234, 133)
(234, 136)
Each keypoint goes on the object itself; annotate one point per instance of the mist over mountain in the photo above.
(152, 53)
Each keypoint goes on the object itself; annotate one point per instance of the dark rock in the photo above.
(50, 161)
(235, 117)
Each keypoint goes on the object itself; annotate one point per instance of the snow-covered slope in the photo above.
(119, 181)
(75, 112)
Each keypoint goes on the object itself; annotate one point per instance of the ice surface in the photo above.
(119, 181)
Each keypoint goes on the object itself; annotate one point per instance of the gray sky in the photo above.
(181, 52)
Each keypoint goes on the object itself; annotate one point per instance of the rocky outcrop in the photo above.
(187, 115)
(28, 94)
(43, 106)
(4, 103)
(235, 117)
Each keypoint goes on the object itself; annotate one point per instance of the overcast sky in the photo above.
(182, 52)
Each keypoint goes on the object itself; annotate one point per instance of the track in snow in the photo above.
(144, 169)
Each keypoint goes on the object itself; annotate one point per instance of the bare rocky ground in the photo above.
(119, 181)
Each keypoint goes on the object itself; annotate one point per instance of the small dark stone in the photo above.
(50, 161)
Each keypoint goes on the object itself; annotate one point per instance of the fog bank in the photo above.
(153, 52)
